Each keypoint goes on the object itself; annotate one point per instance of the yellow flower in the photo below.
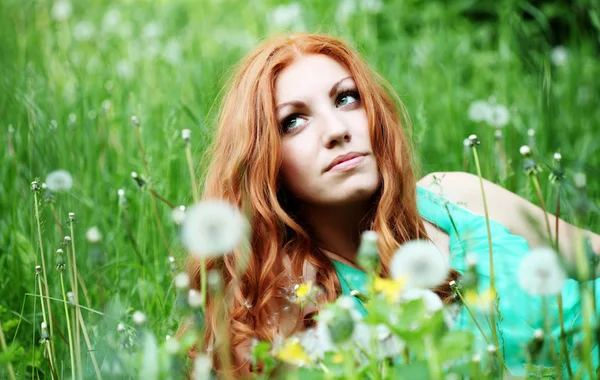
(481, 301)
(391, 288)
(337, 358)
(303, 292)
(293, 353)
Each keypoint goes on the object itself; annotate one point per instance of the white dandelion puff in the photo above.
(194, 298)
(182, 281)
(557, 156)
(124, 69)
(559, 55)
(287, 16)
(479, 111)
(540, 273)
(178, 214)
(93, 235)
(421, 263)
(59, 180)
(498, 116)
(138, 318)
(152, 30)
(61, 10)
(202, 367)
(120, 327)
(83, 31)
(212, 228)
(111, 20)
(580, 180)
(525, 150)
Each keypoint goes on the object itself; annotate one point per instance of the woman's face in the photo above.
(321, 117)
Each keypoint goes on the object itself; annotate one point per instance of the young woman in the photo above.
(311, 143)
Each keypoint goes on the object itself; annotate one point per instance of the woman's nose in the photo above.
(335, 129)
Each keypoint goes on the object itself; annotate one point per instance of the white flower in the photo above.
(498, 116)
(525, 150)
(124, 69)
(559, 55)
(59, 180)
(580, 179)
(111, 19)
(172, 52)
(186, 134)
(138, 318)
(531, 132)
(479, 111)
(121, 327)
(93, 235)
(421, 263)
(83, 31)
(152, 30)
(178, 214)
(61, 10)
(212, 228)
(431, 300)
(194, 298)
(202, 367)
(286, 16)
(540, 273)
(557, 156)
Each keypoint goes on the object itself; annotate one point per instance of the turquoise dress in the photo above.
(521, 313)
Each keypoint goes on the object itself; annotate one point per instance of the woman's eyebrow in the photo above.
(300, 104)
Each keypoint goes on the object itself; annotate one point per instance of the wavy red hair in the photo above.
(244, 169)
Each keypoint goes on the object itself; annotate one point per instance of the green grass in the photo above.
(438, 57)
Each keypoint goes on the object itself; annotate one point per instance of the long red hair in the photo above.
(244, 169)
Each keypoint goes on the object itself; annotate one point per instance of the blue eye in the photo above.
(291, 122)
(349, 96)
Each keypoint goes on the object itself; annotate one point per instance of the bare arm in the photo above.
(506, 208)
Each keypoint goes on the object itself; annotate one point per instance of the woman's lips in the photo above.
(347, 165)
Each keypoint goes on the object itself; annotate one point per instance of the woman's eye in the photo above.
(348, 97)
(292, 122)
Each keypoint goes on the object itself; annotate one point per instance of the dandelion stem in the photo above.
(491, 255)
(39, 233)
(196, 195)
(44, 319)
(131, 237)
(11, 372)
(161, 198)
(472, 316)
(561, 316)
(76, 297)
(62, 286)
(33, 334)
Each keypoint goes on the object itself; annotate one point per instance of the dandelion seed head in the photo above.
(531, 132)
(59, 180)
(67, 239)
(212, 228)
(44, 186)
(559, 55)
(106, 105)
(135, 121)
(479, 111)
(452, 283)
(498, 116)
(138, 318)
(134, 175)
(71, 215)
(53, 124)
(345, 302)
(202, 367)
(476, 358)
(93, 235)
(186, 134)
(491, 349)
(178, 215)
(540, 273)
(172, 346)
(83, 31)
(194, 298)
(121, 327)
(432, 301)
(557, 156)
(421, 263)
(354, 293)
(171, 259)
(61, 10)
(473, 137)
(525, 150)
(34, 186)
(71, 298)
(538, 334)
(182, 281)
(467, 143)
(370, 236)
(214, 280)
(38, 269)
(72, 119)
(44, 326)
(580, 180)
(121, 192)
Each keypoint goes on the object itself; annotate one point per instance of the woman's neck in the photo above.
(338, 229)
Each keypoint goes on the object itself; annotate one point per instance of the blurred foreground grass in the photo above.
(73, 73)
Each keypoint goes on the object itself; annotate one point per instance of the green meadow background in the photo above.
(73, 73)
